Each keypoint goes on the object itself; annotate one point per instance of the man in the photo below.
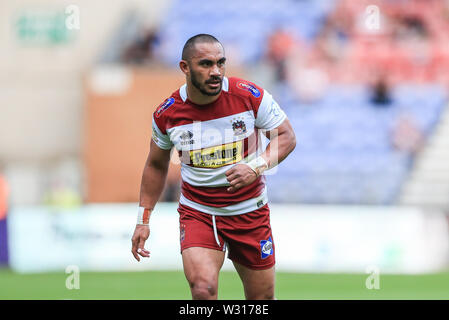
(214, 122)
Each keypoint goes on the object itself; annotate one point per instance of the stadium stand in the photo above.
(346, 150)
(244, 30)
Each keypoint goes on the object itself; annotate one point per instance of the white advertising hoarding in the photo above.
(306, 238)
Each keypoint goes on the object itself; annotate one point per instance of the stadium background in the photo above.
(365, 193)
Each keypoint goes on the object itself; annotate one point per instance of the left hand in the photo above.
(239, 176)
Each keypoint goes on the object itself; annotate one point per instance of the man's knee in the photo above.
(203, 289)
(261, 294)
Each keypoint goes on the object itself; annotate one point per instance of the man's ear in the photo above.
(184, 66)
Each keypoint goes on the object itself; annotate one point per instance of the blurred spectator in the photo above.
(407, 136)
(332, 41)
(380, 92)
(141, 51)
(280, 44)
(410, 27)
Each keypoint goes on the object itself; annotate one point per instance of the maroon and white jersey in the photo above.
(212, 138)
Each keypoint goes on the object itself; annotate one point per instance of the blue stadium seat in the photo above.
(344, 152)
(231, 21)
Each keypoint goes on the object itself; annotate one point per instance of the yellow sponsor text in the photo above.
(218, 156)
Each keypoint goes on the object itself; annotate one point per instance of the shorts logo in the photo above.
(249, 87)
(164, 106)
(182, 234)
(266, 248)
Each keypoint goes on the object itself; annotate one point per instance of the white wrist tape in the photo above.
(143, 216)
(258, 165)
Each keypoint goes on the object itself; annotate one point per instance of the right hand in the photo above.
(141, 234)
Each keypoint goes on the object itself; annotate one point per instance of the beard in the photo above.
(202, 86)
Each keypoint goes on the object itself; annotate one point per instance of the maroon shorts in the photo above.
(247, 237)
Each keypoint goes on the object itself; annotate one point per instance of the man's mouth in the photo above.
(214, 83)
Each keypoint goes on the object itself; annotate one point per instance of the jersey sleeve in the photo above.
(160, 137)
(269, 113)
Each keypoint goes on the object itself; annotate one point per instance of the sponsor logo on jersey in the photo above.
(266, 248)
(186, 138)
(249, 87)
(218, 156)
(164, 106)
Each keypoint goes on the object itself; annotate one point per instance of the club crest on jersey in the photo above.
(238, 126)
(249, 87)
(164, 106)
(266, 248)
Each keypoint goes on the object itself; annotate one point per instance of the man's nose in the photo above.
(215, 70)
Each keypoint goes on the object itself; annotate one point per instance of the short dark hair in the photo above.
(199, 38)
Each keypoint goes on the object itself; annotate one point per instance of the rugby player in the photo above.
(215, 124)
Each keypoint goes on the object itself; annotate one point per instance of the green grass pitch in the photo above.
(160, 285)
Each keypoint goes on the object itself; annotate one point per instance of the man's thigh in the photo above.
(258, 284)
(202, 256)
(201, 268)
(199, 261)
